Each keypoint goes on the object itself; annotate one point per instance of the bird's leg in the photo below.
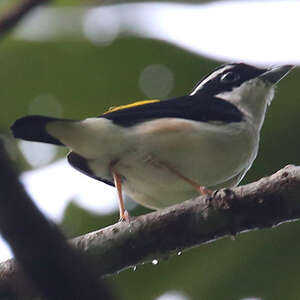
(201, 189)
(124, 216)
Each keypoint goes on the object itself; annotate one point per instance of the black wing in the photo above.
(199, 107)
(80, 164)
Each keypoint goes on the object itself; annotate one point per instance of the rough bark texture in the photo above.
(52, 267)
(265, 203)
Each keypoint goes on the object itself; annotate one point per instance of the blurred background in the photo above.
(75, 59)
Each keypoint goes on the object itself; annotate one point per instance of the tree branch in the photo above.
(8, 21)
(51, 265)
(266, 203)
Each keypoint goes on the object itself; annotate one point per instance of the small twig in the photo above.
(265, 203)
(56, 269)
(9, 20)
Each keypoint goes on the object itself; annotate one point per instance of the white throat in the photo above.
(252, 98)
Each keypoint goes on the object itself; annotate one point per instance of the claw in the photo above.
(125, 217)
(204, 191)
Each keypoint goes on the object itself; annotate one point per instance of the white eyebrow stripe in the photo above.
(210, 77)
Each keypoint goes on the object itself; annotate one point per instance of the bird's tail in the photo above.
(89, 138)
(34, 128)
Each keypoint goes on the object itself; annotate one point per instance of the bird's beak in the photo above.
(274, 74)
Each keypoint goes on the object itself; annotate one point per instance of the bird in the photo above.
(163, 152)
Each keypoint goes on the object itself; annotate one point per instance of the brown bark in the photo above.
(266, 203)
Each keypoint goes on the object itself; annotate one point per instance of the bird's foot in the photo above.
(124, 217)
(203, 190)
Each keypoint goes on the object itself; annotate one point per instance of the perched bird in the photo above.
(164, 152)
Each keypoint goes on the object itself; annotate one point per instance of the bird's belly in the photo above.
(208, 157)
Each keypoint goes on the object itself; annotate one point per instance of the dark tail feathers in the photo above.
(33, 128)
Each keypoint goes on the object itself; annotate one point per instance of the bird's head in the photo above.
(250, 88)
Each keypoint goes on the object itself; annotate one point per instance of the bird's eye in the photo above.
(230, 77)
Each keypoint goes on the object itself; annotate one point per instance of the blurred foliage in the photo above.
(87, 80)
(100, 2)
(7, 4)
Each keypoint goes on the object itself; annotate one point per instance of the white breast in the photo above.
(206, 153)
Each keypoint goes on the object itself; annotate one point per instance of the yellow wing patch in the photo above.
(138, 103)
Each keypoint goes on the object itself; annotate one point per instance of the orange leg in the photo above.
(201, 189)
(123, 213)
